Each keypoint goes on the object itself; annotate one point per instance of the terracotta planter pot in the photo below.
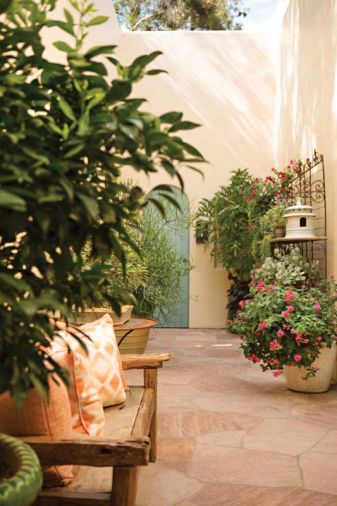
(322, 379)
(279, 232)
(92, 314)
(133, 336)
(24, 480)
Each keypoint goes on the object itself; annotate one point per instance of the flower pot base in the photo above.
(320, 383)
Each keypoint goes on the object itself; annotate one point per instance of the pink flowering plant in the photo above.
(286, 326)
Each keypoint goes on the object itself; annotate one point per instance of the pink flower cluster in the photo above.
(263, 325)
(287, 313)
(254, 358)
(274, 345)
(261, 287)
(288, 297)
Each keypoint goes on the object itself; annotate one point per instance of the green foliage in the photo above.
(230, 217)
(282, 326)
(287, 269)
(154, 276)
(264, 231)
(161, 292)
(180, 14)
(237, 291)
(235, 221)
(66, 134)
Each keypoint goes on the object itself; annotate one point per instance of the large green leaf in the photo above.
(12, 201)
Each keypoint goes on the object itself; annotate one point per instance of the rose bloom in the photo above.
(255, 358)
(263, 325)
(298, 337)
(280, 333)
(288, 297)
(277, 373)
(274, 345)
(291, 309)
(286, 314)
(260, 286)
(317, 306)
(297, 358)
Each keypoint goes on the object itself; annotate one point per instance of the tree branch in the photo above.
(134, 27)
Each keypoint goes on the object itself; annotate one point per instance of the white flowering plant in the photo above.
(287, 269)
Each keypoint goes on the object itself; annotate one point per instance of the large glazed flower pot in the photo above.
(322, 379)
(20, 473)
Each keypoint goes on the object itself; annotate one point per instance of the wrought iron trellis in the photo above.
(308, 183)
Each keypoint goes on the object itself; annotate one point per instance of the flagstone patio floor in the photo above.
(232, 435)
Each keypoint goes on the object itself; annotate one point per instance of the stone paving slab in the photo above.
(230, 435)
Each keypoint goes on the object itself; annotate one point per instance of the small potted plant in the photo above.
(269, 226)
(275, 217)
(20, 472)
(290, 329)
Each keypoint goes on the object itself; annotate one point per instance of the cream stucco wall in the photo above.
(225, 82)
(306, 112)
(258, 108)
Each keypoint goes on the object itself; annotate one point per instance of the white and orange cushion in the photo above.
(85, 400)
(105, 361)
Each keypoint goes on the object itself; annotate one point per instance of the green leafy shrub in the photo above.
(153, 277)
(264, 231)
(230, 219)
(66, 134)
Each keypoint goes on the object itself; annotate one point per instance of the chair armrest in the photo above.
(145, 361)
(97, 452)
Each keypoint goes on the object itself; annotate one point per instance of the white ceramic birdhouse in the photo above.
(299, 221)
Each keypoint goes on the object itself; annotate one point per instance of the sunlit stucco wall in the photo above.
(225, 82)
(306, 111)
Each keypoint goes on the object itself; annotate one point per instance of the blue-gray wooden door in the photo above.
(177, 226)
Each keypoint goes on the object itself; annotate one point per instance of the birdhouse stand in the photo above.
(300, 221)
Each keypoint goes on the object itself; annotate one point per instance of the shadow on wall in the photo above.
(225, 81)
(307, 95)
(307, 78)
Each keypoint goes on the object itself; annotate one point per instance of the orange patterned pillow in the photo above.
(105, 361)
(85, 401)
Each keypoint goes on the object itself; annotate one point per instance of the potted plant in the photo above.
(67, 132)
(290, 328)
(20, 472)
(62, 154)
(275, 217)
(269, 226)
(153, 277)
